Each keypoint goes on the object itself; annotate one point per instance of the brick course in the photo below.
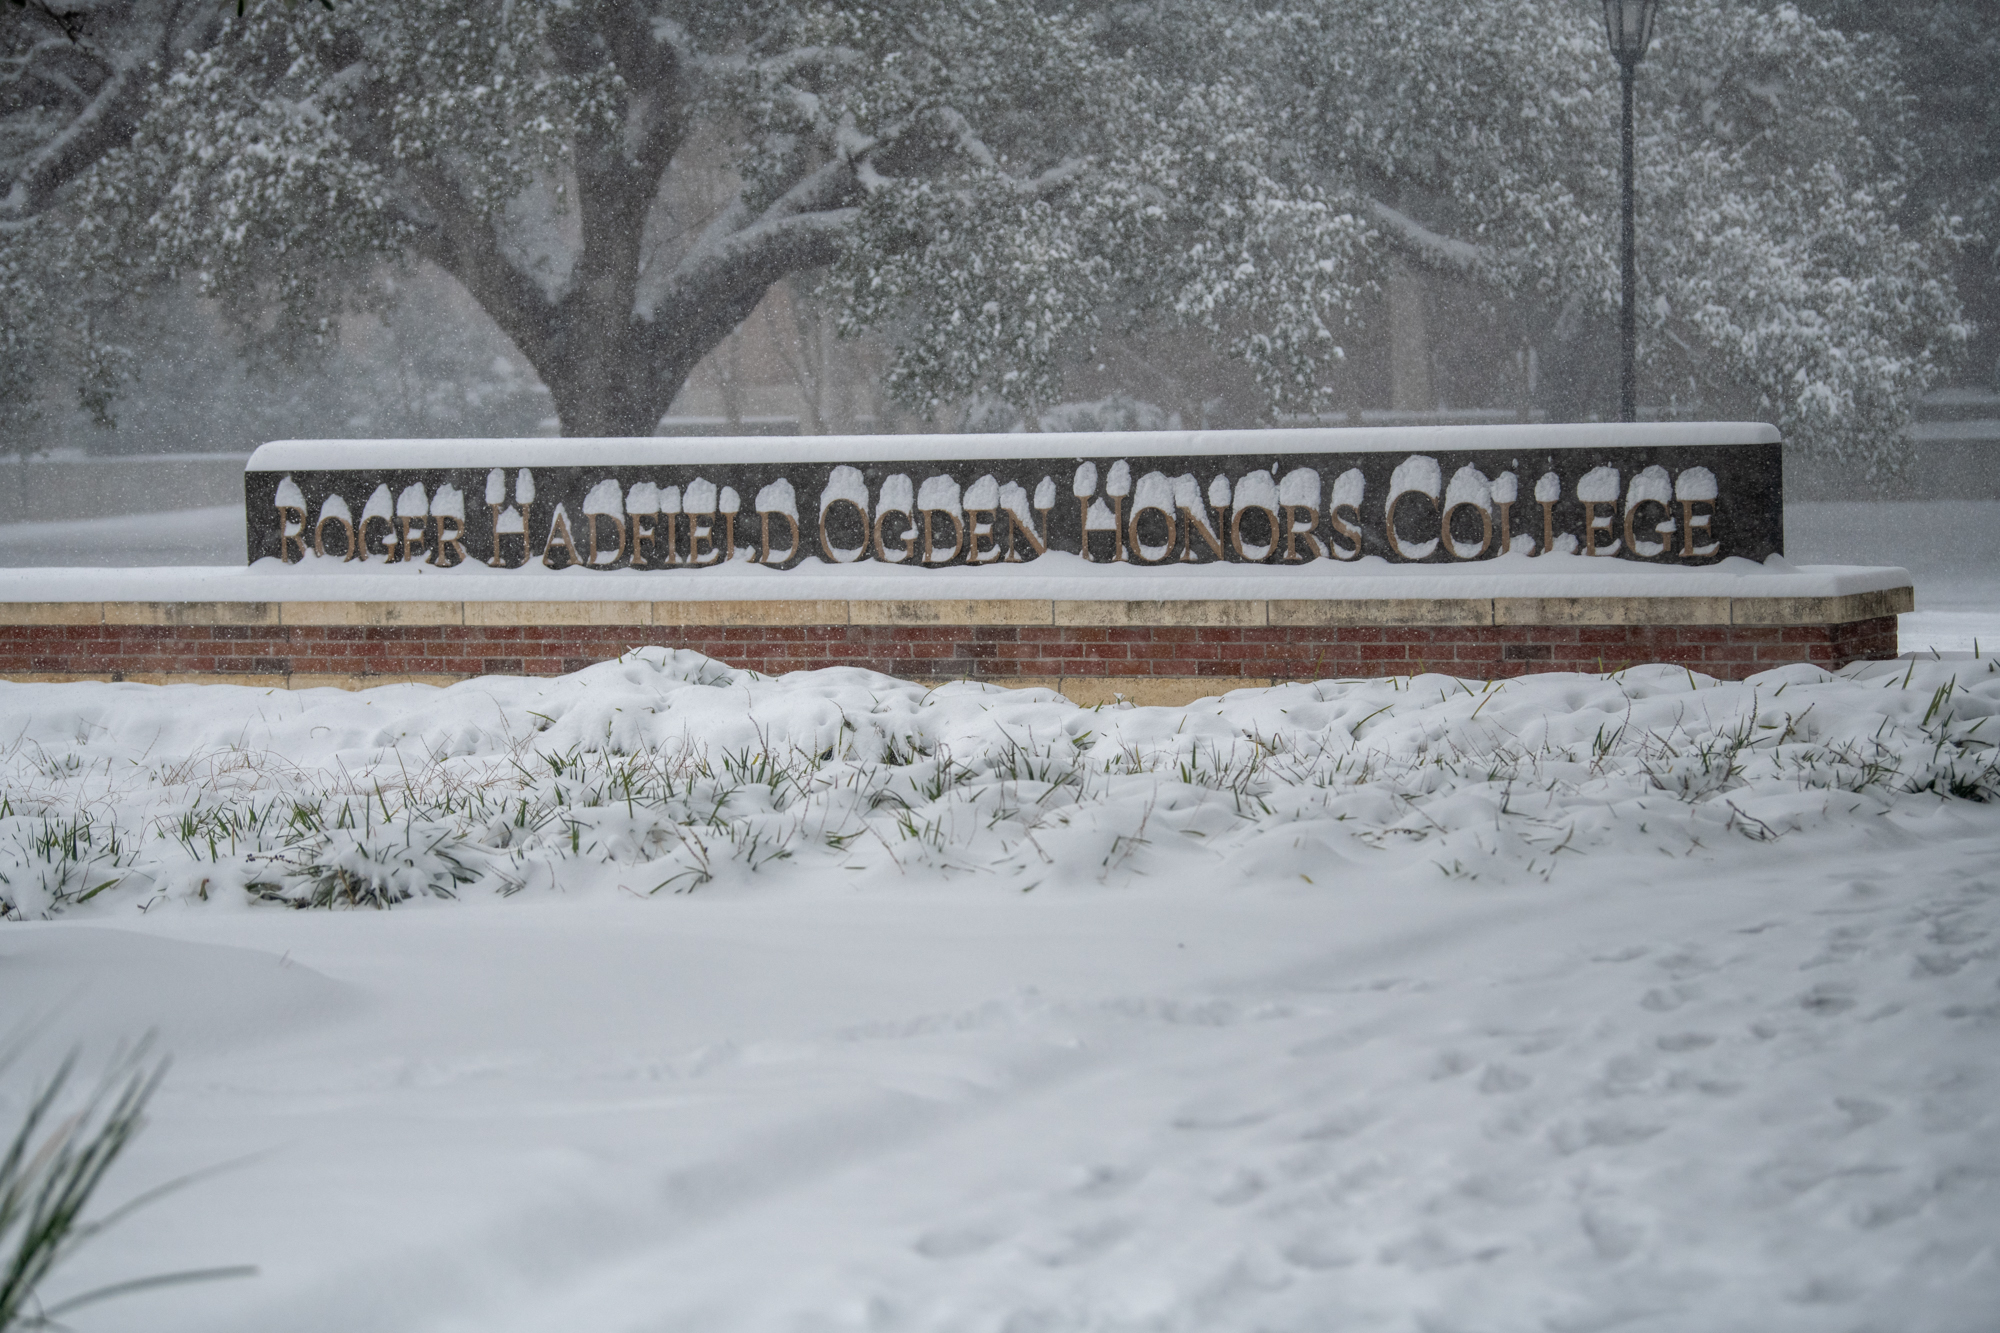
(929, 652)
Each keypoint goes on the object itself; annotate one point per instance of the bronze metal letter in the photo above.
(978, 527)
(909, 542)
(590, 524)
(383, 519)
(1688, 525)
(454, 539)
(1591, 527)
(826, 542)
(1035, 542)
(1173, 536)
(1236, 532)
(287, 540)
(704, 532)
(1195, 527)
(405, 550)
(1389, 522)
(764, 517)
(353, 551)
(1342, 529)
(559, 523)
(1631, 544)
(957, 541)
(1485, 530)
(1294, 533)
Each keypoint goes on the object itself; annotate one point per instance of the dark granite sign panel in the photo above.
(1686, 495)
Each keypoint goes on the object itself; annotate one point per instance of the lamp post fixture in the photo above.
(1629, 25)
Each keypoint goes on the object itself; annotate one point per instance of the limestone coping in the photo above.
(1835, 609)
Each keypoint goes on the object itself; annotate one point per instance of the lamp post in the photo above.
(1629, 25)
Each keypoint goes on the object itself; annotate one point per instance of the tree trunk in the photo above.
(1579, 365)
(1411, 388)
(608, 388)
(612, 364)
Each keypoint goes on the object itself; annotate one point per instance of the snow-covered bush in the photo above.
(666, 771)
(376, 866)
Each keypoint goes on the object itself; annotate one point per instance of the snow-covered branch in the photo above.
(758, 255)
(1060, 176)
(104, 122)
(1427, 246)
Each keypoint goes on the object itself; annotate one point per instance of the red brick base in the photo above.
(981, 652)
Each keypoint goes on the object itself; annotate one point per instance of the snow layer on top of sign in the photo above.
(1057, 575)
(642, 451)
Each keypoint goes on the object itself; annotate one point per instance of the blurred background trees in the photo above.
(457, 217)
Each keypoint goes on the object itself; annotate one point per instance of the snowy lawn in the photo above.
(714, 1002)
(212, 536)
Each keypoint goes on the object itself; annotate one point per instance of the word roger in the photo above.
(1152, 519)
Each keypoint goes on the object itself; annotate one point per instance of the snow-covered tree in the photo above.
(1779, 271)
(1948, 52)
(1000, 185)
(74, 79)
(526, 148)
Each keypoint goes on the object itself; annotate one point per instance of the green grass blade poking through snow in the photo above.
(52, 1166)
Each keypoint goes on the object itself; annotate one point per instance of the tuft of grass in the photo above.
(52, 1167)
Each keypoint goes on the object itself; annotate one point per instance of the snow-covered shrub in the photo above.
(378, 865)
(665, 771)
(50, 860)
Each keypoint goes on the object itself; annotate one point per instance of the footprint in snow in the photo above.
(1080, 1245)
(1665, 1000)
(1541, 1043)
(1625, 1075)
(1572, 1137)
(1938, 964)
(1431, 1248)
(1678, 1042)
(1825, 1001)
(1612, 1238)
(1317, 1254)
(1450, 1064)
(1107, 1182)
(1240, 1188)
(1860, 1111)
(956, 1242)
(1208, 1115)
(1341, 1124)
(1503, 1078)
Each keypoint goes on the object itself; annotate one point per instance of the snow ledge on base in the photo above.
(1055, 577)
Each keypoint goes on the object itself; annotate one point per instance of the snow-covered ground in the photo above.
(178, 537)
(1951, 547)
(830, 1003)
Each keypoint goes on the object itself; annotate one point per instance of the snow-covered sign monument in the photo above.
(1157, 567)
(1669, 494)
